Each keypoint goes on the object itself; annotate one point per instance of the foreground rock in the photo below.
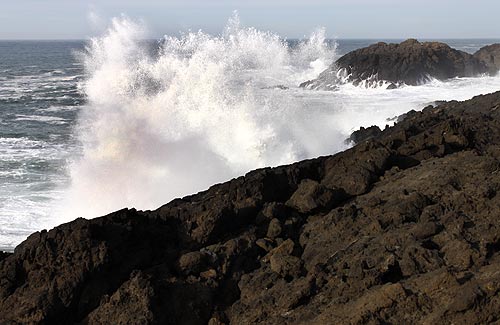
(364, 134)
(409, 62)
(3, 255)
(490, 55)
(404, 228)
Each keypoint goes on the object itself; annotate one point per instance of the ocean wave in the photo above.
(21, 149)
(199, 112)
(57, 109)
(41, 118)
(32, 177)
(208, 108)
(21, 215)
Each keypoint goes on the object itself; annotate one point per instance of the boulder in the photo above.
(282, 261)
(364, 134)
(274, 229)
(193, 263)
(310, 196)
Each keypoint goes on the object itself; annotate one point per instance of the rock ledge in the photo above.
(403, 228)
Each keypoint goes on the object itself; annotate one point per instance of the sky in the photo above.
(398, 19)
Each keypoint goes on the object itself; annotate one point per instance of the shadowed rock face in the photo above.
(364, 134)
(402, 228)
(490, 55)
(3, 255)
(409, 62)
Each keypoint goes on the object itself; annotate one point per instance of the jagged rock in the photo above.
(283, 262)
(209, 274)
(274, 210)
(274, 229)
(193, 263)
(364, 134)
(424, 230)
(310, 195)
(490, 55)
(468, 297)
(458, 254)
(285, 265)
(414, 240)
(265, 244)
(392, 86)
(130, 304)
(409, 62)
(342, 174)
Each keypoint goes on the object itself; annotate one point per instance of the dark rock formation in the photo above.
(3, 255)
(490, 55)
(409, 62)
(364, 134)
(403, 228)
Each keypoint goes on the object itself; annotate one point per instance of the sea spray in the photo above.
(198, 109)
(201, 110)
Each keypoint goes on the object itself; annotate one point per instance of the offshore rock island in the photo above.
(402, 228)
(410, 62)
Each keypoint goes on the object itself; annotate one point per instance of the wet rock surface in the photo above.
(410, 62)
(403, 228)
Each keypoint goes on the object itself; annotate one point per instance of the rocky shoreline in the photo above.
(401, 228)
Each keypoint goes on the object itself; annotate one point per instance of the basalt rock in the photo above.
(490, 55)
(364, 134)
(409, 62)
(403, 228)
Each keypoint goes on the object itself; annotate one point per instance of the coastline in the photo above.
(400, 228)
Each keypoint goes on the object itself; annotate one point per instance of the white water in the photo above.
(203, 111)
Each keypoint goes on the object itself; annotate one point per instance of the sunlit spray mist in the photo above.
(200, 111)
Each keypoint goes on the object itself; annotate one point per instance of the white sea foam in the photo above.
(41, 118)
(204, 110)
(60, 108)
(37, 86)
(27, 191)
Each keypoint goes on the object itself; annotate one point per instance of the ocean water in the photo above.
(39, 102)
(89, 127)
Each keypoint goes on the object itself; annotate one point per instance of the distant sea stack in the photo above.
(410, 62)
(403, 228)
(490, 55)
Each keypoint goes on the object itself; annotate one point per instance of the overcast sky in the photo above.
(72, 19)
